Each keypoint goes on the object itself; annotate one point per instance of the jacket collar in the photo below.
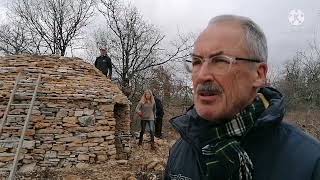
(191, 126)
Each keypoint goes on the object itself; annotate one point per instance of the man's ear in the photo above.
(261, 76)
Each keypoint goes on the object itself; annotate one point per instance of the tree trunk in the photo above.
(125, 86)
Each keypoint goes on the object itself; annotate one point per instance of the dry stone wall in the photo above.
(79, 115)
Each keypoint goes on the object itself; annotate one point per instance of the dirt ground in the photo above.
(144, 164)
(307, 120)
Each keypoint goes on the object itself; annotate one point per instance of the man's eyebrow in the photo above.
(216, 54)
(210, 56)
(195, 55)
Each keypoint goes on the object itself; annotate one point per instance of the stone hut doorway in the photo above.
(122, 135)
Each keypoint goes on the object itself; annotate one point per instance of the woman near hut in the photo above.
(146, 109)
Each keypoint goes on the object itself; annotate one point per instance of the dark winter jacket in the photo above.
(159, 108)
(278, 151)
(104, 64)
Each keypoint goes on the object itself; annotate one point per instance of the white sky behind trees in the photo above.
(284, 39)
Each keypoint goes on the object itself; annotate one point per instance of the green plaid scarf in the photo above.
(224, 157)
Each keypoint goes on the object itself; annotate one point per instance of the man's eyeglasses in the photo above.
(219, 64)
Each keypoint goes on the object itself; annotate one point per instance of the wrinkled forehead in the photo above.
(221, 36)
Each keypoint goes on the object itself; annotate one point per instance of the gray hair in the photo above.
(255, 38)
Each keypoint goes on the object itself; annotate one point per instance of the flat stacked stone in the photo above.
(79, 115)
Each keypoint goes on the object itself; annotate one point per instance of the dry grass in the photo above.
(307, 120)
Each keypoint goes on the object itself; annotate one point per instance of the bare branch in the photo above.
(57, 22)
(134, 45)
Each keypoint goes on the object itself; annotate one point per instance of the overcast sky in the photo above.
(284, 39)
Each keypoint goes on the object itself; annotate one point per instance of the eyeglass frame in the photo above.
(232, 58)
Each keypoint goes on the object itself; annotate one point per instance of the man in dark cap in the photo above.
(103, 63)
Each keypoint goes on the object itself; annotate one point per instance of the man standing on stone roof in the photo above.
(103, 63)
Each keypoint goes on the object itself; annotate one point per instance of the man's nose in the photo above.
(205, 73)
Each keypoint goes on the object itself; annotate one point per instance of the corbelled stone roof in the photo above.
(62, 78)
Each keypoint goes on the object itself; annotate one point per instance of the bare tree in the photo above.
(135, 45)
(15, 38)
(12, 40)
(292, 84)
(57, 22)
(166, 83)
(301, 79)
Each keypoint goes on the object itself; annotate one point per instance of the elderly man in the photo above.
(235, 130)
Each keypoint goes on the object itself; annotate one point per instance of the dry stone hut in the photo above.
(79, 115)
